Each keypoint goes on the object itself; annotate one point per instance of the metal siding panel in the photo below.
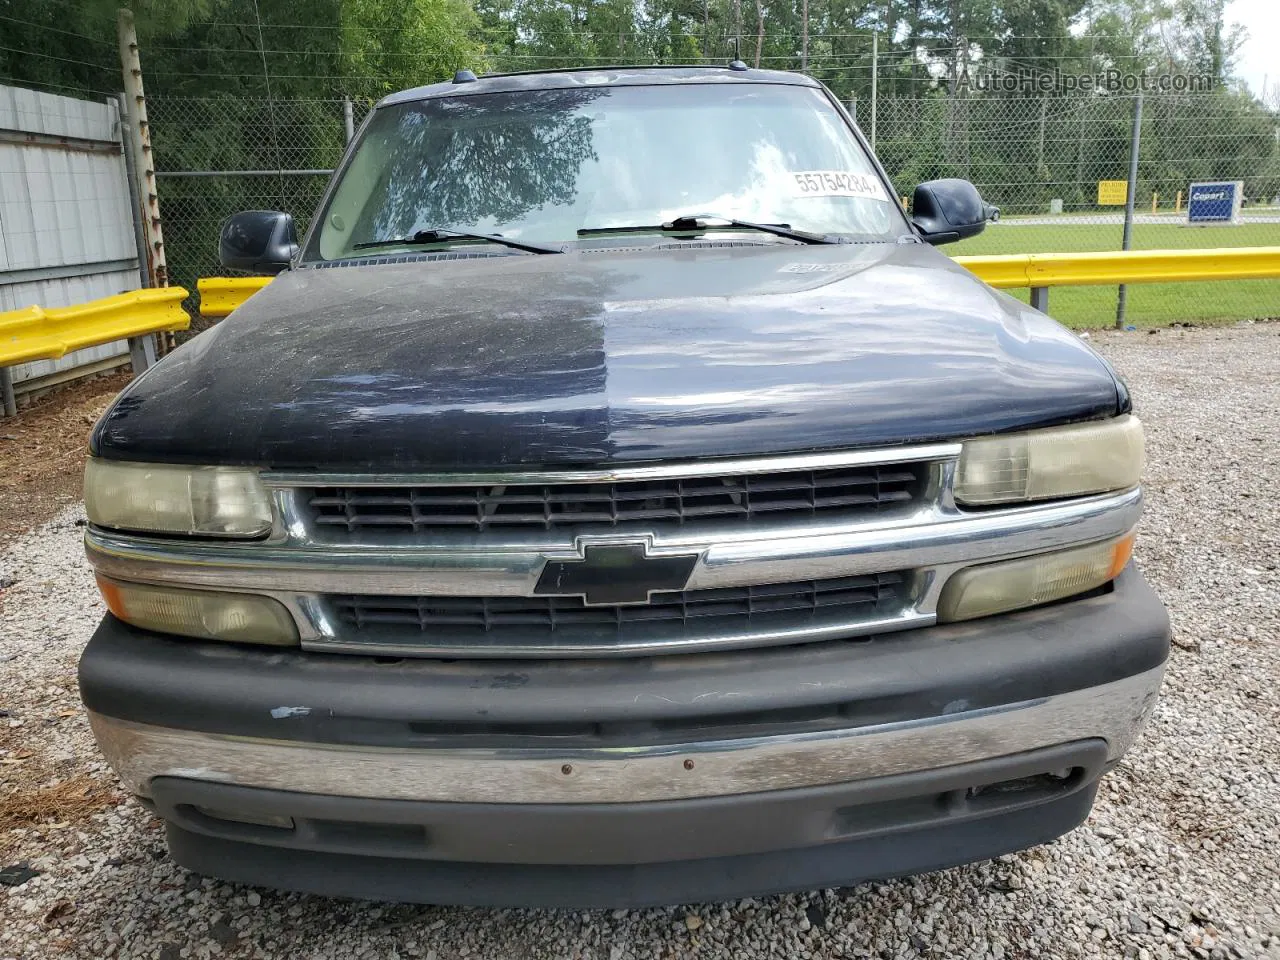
(19, 216)
(27, 113)
(60, 207)
(44, 206)
(13, 188)
(8, 109)
(4, 247)
(33, 111)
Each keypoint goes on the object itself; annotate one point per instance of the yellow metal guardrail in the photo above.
(220, 295)
(1038, 271)
(34, 333)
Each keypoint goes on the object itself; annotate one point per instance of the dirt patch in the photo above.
(42, 452)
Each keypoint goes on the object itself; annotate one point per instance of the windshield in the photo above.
(541, 165)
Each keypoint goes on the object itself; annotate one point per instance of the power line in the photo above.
(53, 85)
(271, 109)
(46, 27)
(50, 56)
(862, 34)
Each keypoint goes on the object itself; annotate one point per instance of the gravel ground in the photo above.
(1178, 859)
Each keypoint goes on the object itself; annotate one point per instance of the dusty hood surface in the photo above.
(597, 357)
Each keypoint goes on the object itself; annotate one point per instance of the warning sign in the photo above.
(1113, 193)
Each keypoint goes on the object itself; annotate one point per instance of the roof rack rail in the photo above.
(616, 66)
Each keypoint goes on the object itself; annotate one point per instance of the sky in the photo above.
(1259, 58)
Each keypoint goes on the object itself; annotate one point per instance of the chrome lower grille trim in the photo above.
(551, 645)
(687, 622)
(853, 597)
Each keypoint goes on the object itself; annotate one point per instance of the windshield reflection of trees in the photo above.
(456, 161)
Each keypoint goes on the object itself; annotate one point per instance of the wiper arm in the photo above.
(697, 221)
(435, 235)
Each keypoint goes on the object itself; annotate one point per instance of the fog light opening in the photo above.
(253, 819)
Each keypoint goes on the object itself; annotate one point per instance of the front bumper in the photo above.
(628, 781)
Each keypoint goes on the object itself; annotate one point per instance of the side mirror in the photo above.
(259, 241)
(944, 211)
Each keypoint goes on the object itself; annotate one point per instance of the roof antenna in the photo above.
(736, 63)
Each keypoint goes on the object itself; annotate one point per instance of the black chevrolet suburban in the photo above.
(616, 499)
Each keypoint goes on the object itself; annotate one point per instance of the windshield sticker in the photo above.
(812, 267)
(837, 183)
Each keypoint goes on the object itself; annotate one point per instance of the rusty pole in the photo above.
(144, 162)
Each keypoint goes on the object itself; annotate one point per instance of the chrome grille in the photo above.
(847, 600)
(790, 549)
(732, 499)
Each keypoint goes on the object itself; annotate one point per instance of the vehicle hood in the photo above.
(594, 357)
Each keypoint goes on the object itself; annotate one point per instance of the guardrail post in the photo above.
(1040, 298)
(142, 352)
(6, 386)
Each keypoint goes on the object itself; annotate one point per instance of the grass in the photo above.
(1149, 304)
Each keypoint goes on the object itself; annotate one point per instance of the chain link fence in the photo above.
(1039, 158)
(1046, 156)
(215, 157)
(1042, 160)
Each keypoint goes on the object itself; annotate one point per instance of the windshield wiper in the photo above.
(698, 221)
(441, 235)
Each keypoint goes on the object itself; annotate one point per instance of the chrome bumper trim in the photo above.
(1115, 712)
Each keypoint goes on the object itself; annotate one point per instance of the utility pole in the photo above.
(135, 200)
(759, 30)
(140, 134)
(706, 26)
(1128, 203)
(875, 75)
(804, 36)
(135, 138)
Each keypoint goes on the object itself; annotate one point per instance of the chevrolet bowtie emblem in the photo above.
(615, 573)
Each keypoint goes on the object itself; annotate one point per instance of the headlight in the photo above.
(1014, 584)
(164, 498)
(203, 614)
(1069, 461)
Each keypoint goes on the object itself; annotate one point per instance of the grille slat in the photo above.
(855, 599)
(729, 499)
